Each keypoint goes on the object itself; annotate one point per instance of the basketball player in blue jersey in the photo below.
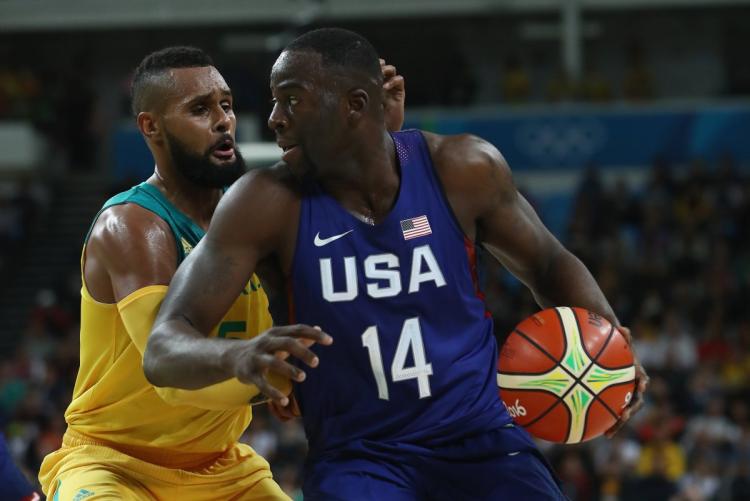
(375, 233)
(14, 486)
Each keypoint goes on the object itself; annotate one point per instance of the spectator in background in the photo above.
(638, 84)
(560, 87)
(458, 87)
(515, 84)
(594, 86)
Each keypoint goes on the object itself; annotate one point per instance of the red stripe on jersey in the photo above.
(471, 254)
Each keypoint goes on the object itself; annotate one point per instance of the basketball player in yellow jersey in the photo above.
(127, 439)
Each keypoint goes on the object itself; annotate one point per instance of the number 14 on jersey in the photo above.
(410, 339)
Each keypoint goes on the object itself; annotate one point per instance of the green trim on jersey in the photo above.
(186, 233)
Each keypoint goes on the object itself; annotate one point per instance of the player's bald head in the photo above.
(152, 78)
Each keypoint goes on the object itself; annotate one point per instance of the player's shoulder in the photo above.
(463, 152)
(120, 228)
(275, 180)
(467, 157)
(265, 193)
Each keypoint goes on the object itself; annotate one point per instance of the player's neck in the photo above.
(196, 202)
(367, 184)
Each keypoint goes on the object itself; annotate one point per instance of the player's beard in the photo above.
(200, 170)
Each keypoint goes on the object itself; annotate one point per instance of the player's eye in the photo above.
(226, 106)
(199, 110)
(292, 100)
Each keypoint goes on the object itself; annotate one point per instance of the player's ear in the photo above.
(357, 100)
(148, 125)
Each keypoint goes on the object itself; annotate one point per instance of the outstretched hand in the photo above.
(252, 361)
(394, 91)
(641, 384)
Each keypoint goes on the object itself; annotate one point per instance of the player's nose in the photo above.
(223, 121)
(277, 119)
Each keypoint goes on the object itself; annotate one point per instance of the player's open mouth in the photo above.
(288, 150)
(224, 150)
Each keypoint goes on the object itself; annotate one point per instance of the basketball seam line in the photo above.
(583, 374)
(557, 364)
(596, 359)
(578, 380)
(564, 332)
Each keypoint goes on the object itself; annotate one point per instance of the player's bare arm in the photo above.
(480, 188)
(248, 226)
(129, 248)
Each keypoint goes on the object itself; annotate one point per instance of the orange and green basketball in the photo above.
(566, 374)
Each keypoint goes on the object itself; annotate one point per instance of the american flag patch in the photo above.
(415, 227)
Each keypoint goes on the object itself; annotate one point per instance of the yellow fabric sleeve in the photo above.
(138, 312)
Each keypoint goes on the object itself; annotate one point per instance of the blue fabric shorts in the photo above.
(502, 464)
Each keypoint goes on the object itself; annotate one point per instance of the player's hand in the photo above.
(394, 92)
(285, 413)
(253, 359)
(641, 384)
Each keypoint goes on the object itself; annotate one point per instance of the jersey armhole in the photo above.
(444, 196)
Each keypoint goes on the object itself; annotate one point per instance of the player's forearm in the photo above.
(567, 281)
(178, 356)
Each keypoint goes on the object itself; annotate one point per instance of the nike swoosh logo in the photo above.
(320, 242)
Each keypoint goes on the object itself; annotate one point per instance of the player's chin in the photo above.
(297, 162)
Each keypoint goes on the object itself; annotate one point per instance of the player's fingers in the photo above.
(281, 413)
(298, 350)
(388, 70)
(287, 370)
(625, 333)
(618, 425)
(624, 417)
(315, 334)
(642, 379)
(395, 82)
(637, 405)
(271, 391)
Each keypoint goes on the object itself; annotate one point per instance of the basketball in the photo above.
(565, 374)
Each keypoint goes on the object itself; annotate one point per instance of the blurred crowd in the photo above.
(60, 104)
(674, 260)
(22, 203)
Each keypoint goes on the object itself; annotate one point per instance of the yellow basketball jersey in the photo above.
(115, 405)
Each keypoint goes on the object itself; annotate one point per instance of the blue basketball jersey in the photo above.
(413, 359)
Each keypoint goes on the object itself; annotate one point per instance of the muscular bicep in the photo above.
(514, 234)
(508, 227)
(218, 269)
(129, 248)
(208, 282)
